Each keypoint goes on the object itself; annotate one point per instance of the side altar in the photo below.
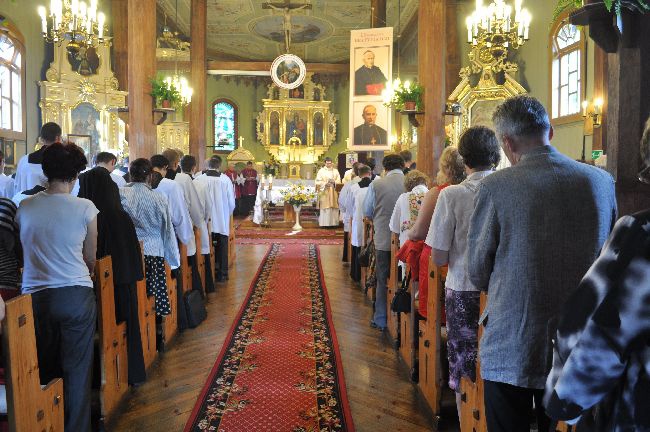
(272, 192)
(296, 127)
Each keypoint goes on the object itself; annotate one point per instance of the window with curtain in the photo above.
(567, 84)
(11, 88)
(224, 113)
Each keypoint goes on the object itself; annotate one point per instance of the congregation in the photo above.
(526, 235)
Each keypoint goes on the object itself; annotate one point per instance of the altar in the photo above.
(274, 195)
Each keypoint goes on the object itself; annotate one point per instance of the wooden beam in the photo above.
(141, 67)
(378, 13)
(333, 68)
(453, 52)
(432, 57)
(600, 90)
(120, 31)
(198, 60)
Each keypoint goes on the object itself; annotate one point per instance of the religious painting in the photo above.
(370, 126)
(371, 66)
(274, 128)
(9, 151)
(288, 71)
(351, 159)
(85, 61)
(86, 122)
(317, 94)
(297, 93)
(481, 115)
(224, 114)
(83, 141)
(371, 70)
(297, 122)
(318, 125)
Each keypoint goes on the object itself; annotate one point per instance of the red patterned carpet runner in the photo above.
(280, 369)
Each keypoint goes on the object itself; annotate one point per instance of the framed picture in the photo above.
(371, 124)
(351, 159)
(83, 141)
(9, 150)
(288, 71)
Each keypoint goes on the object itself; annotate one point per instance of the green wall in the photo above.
(248, 99)
(24, 16)
(534, 74)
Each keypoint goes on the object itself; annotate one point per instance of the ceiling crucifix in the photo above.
(286, 8)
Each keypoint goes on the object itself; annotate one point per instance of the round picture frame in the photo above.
(284, 73)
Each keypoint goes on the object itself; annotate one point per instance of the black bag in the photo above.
(402, 301)
(365, 253)
(195, 308)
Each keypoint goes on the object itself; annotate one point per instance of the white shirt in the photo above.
(406, 211)
(53, 228)
(177, 210)
(222, 196)
(118, 179)
(6, 186)
(28, 175)
(359, 196)
(449, 227)
(344, 203)
(347, 176)
(197, 211)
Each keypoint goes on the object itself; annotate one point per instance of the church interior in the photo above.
(298, 292)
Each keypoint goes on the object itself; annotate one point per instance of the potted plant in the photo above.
(164, 92)
(408, 96)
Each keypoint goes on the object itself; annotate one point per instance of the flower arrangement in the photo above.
(297, 194)
(165, 93)
(272, 166)
(405, 96)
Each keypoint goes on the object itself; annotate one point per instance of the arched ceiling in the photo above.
(242, 30)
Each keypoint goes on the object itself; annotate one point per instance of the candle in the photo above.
(41, 12)
(585, 106)
(74, 7)
(469, 23)
(100, 25)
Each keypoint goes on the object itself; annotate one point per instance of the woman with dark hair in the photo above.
(447, 238)
(59, 235)
(150, 213)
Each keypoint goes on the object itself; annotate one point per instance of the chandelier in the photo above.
(494, 28)
(73, 20)
(178, 82)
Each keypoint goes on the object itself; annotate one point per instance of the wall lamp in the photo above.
(594, 111)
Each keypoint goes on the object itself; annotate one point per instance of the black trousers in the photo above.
(346, 257)
(355, 267)
(508, 408)
(64, 321)
(196, 276)
(209, 280)
(247, 204)
(220, 255)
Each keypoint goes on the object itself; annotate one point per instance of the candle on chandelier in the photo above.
(42, 13)
(101, 18)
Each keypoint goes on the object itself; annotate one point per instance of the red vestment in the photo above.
(232, 175)
(250, 186)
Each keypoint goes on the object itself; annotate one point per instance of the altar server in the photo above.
(249, 188)
(220, 190)
(358, 193)
(176, 199)
(6, 182)
(199, 212)
(344, 206)
(29, 172)
(326, 180)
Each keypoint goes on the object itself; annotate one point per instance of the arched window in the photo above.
(567, 86)
(224, 121)
(12, 91)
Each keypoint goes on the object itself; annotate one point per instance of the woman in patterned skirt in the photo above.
(151, 217)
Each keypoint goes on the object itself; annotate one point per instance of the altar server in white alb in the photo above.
(326, 180)
(220, 189)
(29, 172)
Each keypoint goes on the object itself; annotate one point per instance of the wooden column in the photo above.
(198, 62)
(600, 90)
(141, 68)
(120, 31)
(378, 13)
(432, 51)
(453, 52)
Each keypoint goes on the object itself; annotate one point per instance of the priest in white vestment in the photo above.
(222, 198)
(326, 180)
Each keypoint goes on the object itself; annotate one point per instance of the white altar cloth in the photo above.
(276, 195)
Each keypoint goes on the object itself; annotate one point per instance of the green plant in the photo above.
(405, 92)
(563, 6)
(162, 89)
(640, 6)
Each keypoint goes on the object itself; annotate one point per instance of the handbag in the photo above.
(195, 308)
(401, 303)
(365, 252)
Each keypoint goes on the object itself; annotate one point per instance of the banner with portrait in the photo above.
(371, 68)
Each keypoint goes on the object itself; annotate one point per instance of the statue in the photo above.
(286, 24)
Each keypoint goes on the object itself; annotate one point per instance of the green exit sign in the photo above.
(595, 154)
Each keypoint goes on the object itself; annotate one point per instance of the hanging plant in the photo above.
(164, 92)
(405, 96)
(641, 6)
(563, 6)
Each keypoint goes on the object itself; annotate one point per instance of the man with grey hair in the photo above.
(536, 229)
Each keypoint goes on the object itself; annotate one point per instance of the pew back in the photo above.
(170, 322)
(186, 270)
(232, 254)
(393, 285)
(30, 408)
(147, 319)
(200, 264)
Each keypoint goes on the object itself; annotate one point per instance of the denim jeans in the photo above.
(382, 269)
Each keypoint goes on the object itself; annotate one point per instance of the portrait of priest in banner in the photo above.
(369, 133)
(369, 79)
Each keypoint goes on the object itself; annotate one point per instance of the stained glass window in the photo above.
(11, 88)
(225, 125)
(566, 71)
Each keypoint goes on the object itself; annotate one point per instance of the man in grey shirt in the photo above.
(378, 206)
(536, 229)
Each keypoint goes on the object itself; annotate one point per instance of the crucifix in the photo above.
(241, 142)
(286, 7)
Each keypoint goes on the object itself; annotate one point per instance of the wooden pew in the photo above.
(30, 407)
(368, 234)
(409, 333)
(430, 341)
(392, 321)
(472, 408)
(232, 254)
(147, 319)
(170, 322)
(112, 337)
(212, 266)
(199, 258)
(186, 270)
